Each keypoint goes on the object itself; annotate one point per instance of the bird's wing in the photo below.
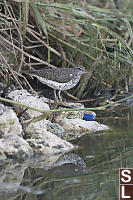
(64, 75)
(58, 75)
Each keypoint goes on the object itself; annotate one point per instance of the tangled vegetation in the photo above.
(95, 34)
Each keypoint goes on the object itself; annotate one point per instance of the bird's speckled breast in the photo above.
(59, 86)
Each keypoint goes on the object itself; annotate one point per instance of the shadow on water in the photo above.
(90, 172)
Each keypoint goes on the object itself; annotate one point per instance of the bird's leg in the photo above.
(55, 99)
(51, 118)
(55, 96)
(60, 96)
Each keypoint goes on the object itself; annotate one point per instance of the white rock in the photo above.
(14, 146)
(71, 114)
(11, 176)
(44, 142)
(82, 125)
(9, 123)
(56, 129)
(26, 98)
(32, 131)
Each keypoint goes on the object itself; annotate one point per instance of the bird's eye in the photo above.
(80, 68)
(70, 75)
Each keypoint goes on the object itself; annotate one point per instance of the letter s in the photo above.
(125, 173)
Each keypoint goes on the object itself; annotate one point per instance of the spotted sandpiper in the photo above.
(59, 78)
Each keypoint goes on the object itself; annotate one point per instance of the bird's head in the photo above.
(81, 70)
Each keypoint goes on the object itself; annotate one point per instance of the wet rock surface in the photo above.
(11, 176)
(70, 165)
(14, 146)
(43, 141)
(12, 173)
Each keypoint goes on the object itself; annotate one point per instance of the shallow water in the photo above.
(90, 172)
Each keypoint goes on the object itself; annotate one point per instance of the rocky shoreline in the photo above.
(42, 137)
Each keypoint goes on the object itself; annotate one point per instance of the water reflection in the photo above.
(90, 172)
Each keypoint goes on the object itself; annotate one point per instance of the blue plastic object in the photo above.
(88, 117)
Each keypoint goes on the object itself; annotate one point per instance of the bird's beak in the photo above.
(89, 73)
